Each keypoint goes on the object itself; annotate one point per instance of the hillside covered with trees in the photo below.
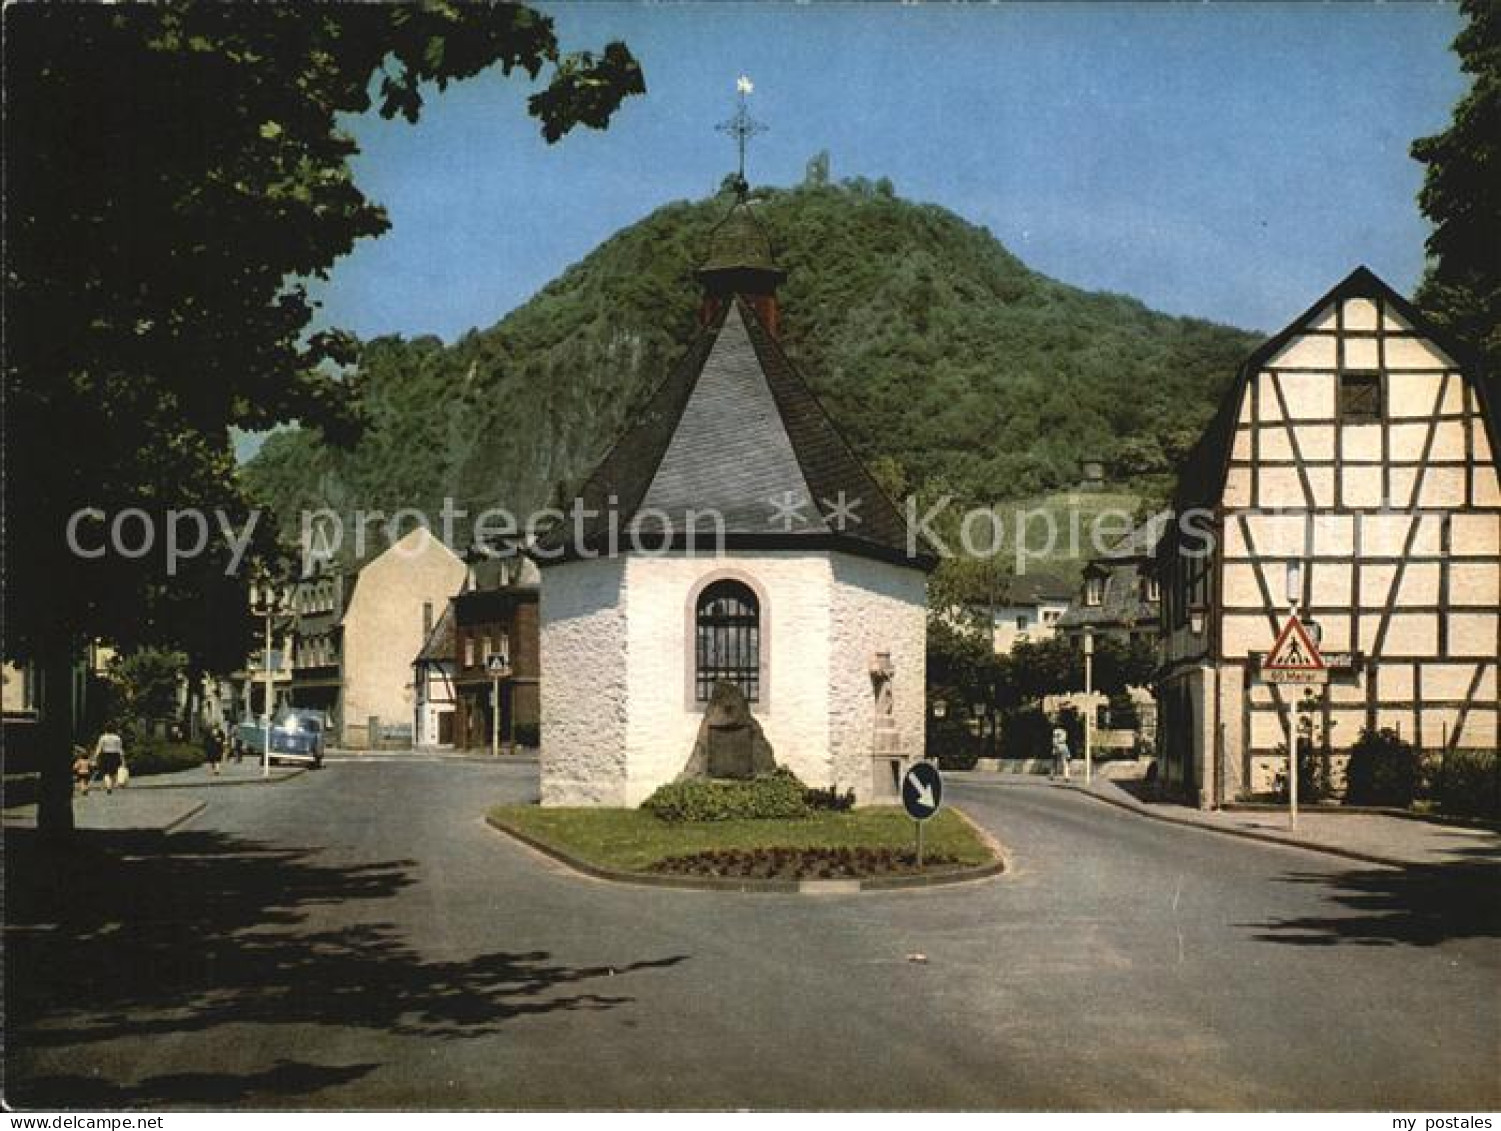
(950, 365)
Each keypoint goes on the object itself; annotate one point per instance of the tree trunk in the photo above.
(55, 797)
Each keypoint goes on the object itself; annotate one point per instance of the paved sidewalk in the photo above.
(523, 756)
(247, 772)
(128, 808)
(1375, 837)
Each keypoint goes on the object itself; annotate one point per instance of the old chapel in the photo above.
(731, 535)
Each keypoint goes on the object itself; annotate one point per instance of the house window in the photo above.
(469, 651)
(1094, 591)
(1150, 589)
(1021, 623)
(1359, 398)
(1050, 616)
(727, 640)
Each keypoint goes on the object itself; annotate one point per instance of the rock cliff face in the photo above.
(947, 363)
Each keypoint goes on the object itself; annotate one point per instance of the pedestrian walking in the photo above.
(1060, 753)
(109, 757)
(83, 769)
(213, 749)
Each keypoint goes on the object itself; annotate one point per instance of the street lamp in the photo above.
(1088, 705)
(1294, 595)
(266, 602)
(940, 709)
(1196, 613)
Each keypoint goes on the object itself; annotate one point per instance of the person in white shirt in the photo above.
(109, 757)
(1060, 753)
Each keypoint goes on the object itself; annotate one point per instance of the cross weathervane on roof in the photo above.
(742, 127)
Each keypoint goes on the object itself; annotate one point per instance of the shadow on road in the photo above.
(185, 1089)
(1420, 905)
(135, 935)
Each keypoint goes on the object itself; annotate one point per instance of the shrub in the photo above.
(830, 799)
(159, 756)
(1383, 770)
(1468, 783)
(1028, 732)
(1315, 772)
(778, 795)
(952, 745)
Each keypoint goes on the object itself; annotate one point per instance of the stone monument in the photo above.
(730, 743)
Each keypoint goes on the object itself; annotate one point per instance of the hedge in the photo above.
(778, 795)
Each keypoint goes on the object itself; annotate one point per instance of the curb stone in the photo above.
(1444, 819)
(770, 887)
(212, 783)
(173, 826)
(1285, 840)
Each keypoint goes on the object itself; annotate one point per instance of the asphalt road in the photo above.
(358, 938)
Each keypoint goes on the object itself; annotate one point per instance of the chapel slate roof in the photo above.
(735, 429)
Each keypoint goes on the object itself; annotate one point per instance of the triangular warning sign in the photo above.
(1294, 650)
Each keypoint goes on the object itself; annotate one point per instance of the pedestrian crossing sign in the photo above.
(1294, 658)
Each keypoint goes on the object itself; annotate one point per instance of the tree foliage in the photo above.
(175, 174)
(1461, 196)
(147, 683)
(179, 174)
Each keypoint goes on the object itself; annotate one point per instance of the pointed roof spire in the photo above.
(735, 432)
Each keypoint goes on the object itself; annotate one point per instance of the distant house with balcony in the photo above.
(1028, 610)
(1118, 596)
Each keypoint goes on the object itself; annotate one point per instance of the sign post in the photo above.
(1294, 659)
(922, 796)
(499, 667)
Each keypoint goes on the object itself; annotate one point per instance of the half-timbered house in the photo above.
(1357, 447)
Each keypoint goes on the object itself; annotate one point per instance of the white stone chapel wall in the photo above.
(877, 607)
(663, 720)
(582, 611)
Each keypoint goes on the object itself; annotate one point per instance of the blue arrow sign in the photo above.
(922, 790)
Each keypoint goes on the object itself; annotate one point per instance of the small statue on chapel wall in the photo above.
(881, 674)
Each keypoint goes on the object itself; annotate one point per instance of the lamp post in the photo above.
(265, 590)
(1088, 706)
(1294, 593)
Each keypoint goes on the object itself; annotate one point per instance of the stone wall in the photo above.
(794, 591)
(584, 688)
(876, 607)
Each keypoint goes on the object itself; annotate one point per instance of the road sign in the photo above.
(922, 790)
(498, 665)
(1295, 657)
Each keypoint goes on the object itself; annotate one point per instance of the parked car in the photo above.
(296, 736)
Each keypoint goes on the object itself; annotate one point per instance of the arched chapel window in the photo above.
(727, 640)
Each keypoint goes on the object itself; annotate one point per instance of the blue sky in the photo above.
(1226, 161)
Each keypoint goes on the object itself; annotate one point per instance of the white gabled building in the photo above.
(1357, 446)
(814, 585)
